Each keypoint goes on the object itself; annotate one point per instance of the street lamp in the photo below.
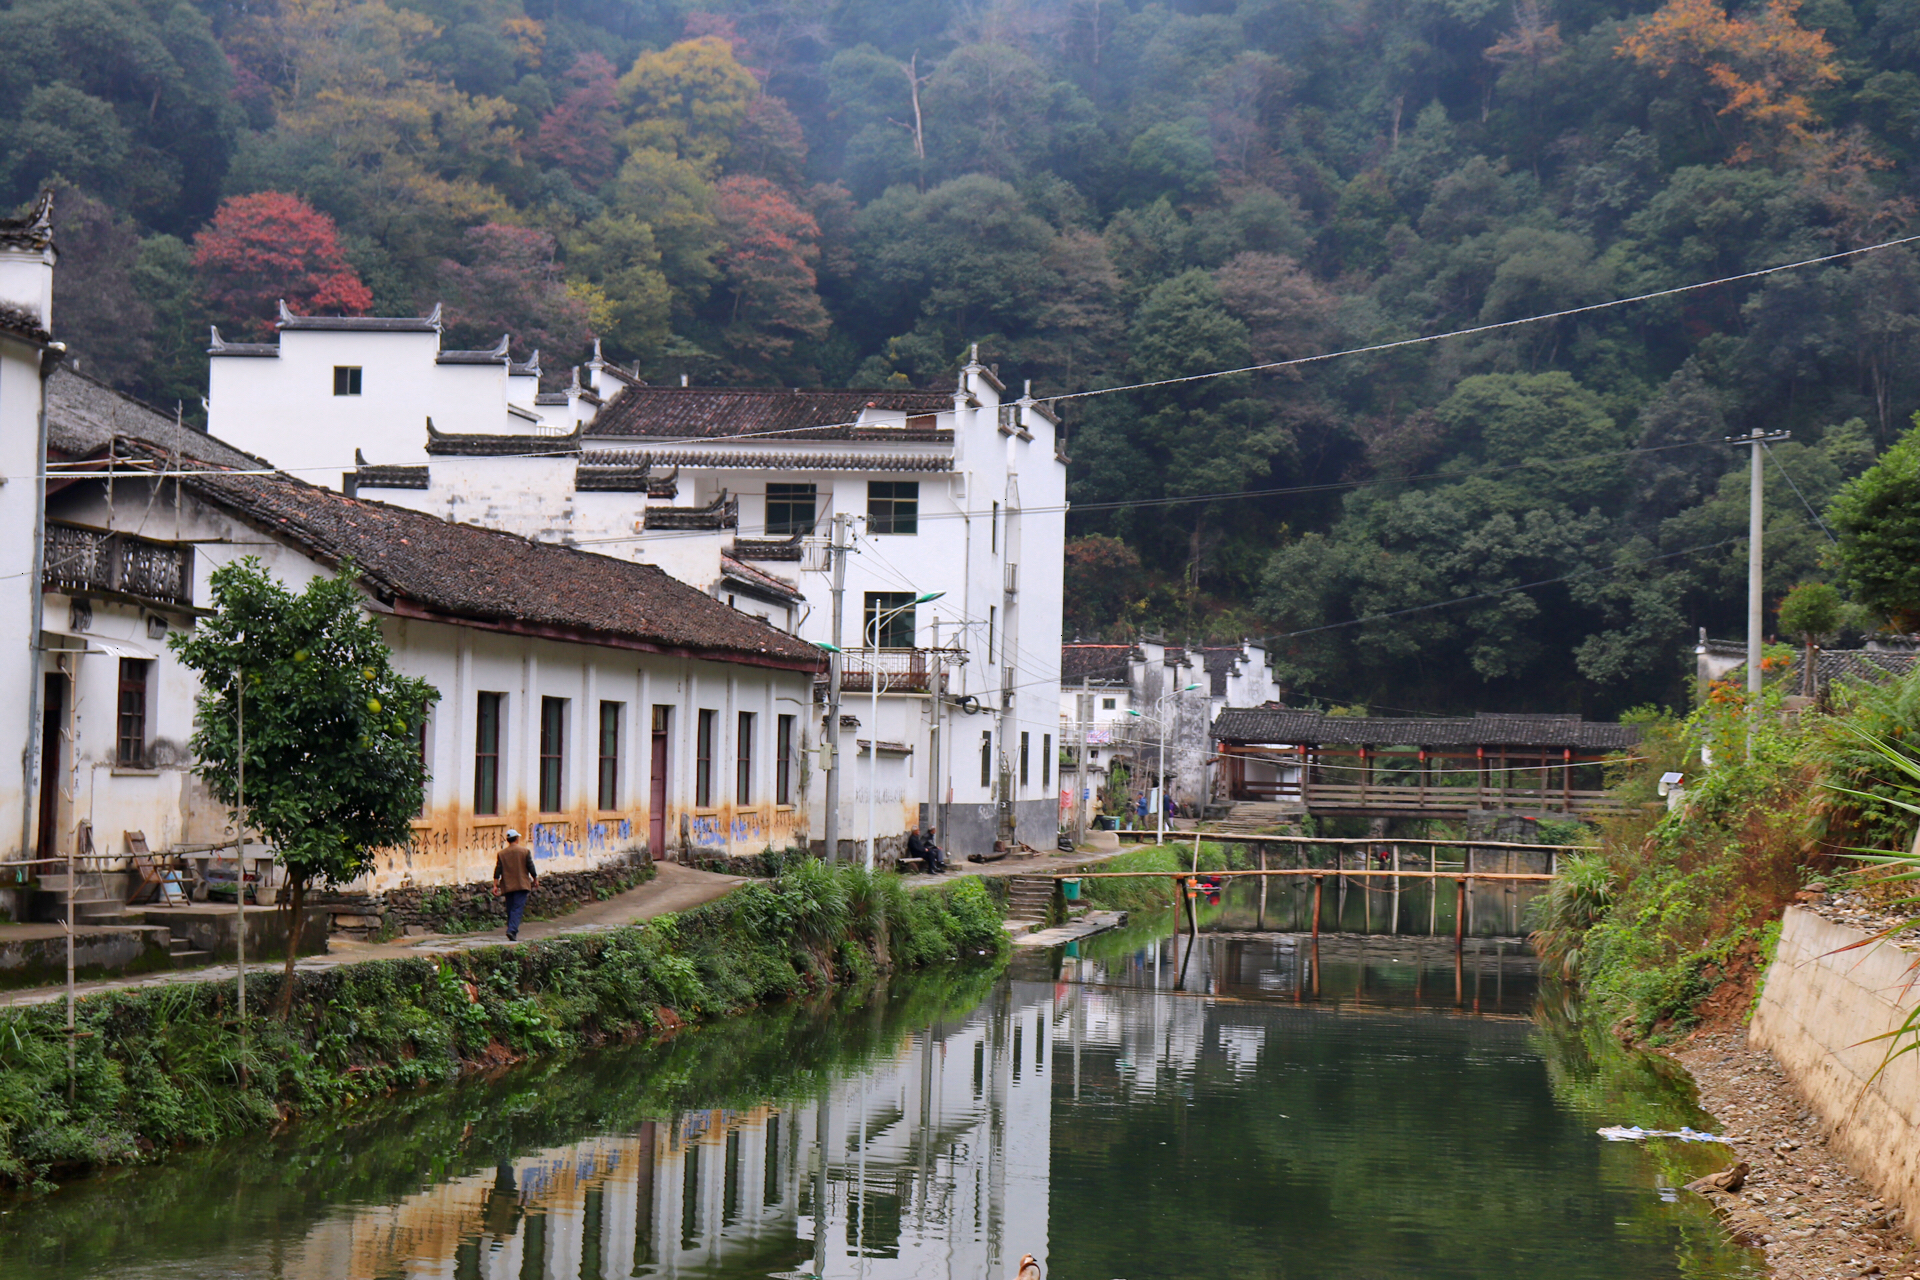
(1160, 810)
(880, 618)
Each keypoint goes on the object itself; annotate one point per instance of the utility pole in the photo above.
(1085, 780)
(837, 551)
(1756, 440)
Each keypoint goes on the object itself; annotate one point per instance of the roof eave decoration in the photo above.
(33, 233)
(462, 444)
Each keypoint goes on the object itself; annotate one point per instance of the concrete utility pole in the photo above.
(1756, 440)
(837, 551)
(1085, 703)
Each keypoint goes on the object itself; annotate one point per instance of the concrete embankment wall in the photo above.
(1819, 1013)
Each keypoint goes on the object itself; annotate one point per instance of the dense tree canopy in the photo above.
(1112, 193)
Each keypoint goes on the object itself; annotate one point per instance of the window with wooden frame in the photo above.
(703, 760)
(743, 759)
(783, 761)
(986, 758)
(131, 748)
(1046, 759)
(1023, 757)
(346, 379)
(488, 719)
(610, 716)
(553, 754)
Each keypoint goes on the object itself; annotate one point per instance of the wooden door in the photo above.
(657, 789)
(52, 763)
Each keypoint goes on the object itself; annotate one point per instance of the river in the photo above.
(1147, 1104)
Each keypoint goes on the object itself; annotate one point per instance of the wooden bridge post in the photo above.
(1459, 913)
(1319, 886)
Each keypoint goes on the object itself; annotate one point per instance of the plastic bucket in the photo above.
(1070, 889)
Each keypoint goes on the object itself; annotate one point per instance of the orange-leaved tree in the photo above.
(269, 246)
(1762, 62)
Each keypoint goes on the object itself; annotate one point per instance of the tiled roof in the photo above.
(1284, 725)
(85, 415)
(767, 548)
(1220, 660)
(774, 461)
(392, 477)
(34, 232)
(722, 513)
(422, 565)
(219, 346)
(588, 479)
(1858, 666)
(22, 323)
(759, 581)
(716, 413)
(461, 444)
(1097, 662)
(429, 323)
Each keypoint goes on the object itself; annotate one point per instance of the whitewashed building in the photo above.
(599, 706)
(960, 492)
(27, 353)
(1117, 699)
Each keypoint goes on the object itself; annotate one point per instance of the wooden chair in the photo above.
(151, 869)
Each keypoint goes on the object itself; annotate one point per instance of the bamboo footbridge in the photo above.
(1370, 849)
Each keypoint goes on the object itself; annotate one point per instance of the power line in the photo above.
(1503, 591)
(1376, 348)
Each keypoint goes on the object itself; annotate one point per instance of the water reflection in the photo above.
(1371, 905)
(1160, 1105)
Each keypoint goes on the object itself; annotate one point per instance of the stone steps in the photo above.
(1029, 897)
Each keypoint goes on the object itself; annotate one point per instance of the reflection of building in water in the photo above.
(935, 1157)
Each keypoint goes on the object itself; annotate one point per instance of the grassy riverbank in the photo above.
(1673, 922)
(167, 1067)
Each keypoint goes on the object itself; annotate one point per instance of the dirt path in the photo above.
(673, 888)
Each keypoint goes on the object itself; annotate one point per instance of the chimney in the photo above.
(26, 262)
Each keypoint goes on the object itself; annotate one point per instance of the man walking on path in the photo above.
(514, 876)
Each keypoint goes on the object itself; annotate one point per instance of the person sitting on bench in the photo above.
(922, 847)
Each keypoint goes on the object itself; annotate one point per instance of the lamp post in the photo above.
(878, 624)
(1160, 810)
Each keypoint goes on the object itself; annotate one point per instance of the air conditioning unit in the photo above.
(816, 555)
(1013, 578)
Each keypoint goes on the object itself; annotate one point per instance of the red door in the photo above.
(657, 793)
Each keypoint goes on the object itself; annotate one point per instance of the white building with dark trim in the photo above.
(958, 491)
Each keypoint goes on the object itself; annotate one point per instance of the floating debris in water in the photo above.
(1634, 1133)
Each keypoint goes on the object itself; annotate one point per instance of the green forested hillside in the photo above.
(1099, 192)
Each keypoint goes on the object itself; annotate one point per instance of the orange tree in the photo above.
(332, 763)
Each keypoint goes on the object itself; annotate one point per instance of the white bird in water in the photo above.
(1029, 1268)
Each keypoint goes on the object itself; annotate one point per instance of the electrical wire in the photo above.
(1371, 349)
(1788, 477)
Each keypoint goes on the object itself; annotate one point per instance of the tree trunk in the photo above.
(296, 898)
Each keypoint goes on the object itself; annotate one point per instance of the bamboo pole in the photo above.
(1319, 885)
(1535, 876)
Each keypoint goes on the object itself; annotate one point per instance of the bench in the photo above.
(906, 862)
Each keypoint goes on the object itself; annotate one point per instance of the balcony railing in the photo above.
(79, 559)
(900, 670)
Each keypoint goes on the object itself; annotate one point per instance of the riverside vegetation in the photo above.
(167, 1067)
(1673, 921)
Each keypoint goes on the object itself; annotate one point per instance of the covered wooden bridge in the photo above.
(1371, 766)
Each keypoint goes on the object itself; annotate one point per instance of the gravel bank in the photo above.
(1815, 1220)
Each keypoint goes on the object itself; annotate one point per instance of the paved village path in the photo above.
(673, 888)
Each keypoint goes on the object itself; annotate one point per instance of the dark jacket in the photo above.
(513, 869)
(917, 845)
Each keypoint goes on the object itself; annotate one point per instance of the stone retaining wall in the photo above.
(416, 910)
(1819, 1012)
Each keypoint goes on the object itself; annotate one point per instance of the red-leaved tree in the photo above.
(269, 246)
(768, 263)
(577, 134)
(511, 283)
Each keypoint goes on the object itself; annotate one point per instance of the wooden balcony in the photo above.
(80, 560)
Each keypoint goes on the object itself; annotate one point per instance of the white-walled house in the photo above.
(1118, 695)
(956, 491)
(27, 353)
(600, 706)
